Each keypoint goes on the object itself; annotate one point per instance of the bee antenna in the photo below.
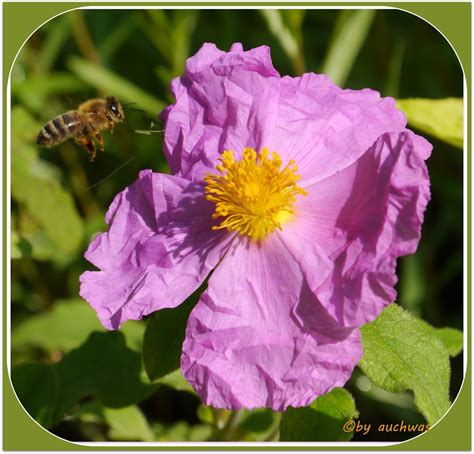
(136, 110)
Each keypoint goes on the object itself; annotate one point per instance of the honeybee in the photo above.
(83, 125)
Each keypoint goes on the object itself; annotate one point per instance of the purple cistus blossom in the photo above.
(297, 195)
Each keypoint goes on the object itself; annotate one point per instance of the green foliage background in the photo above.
(87, 384)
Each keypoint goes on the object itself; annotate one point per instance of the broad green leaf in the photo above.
(67, 325)
(49, 204)
(127, 423)
(349, 35)
(108, 82)
(451, 338)
(441, 118)
(64, 327)
(37, 388)
(257, 420)
(164, 337)
(124, 424)
(260, 424)
(401, 352)
(24, 127)
(104, 367)
(323, 420)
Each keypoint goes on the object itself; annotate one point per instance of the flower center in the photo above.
(255, 195)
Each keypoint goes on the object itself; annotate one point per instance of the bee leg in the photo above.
(100, 140)
(88, 144)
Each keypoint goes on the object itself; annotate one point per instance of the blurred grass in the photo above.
(133, 55)
(349, 35)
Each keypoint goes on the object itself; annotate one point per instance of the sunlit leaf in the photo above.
(64, 327)
(48, 203)
(441, 118)
(127, 424)
(323, 420)
(451, 338)
(67, 325)
(176, 381)
(205, 414)
(401, 352)
(124, 424)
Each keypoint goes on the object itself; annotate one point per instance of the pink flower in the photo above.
(297, 195)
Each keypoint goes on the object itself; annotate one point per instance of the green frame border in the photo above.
(453, 432)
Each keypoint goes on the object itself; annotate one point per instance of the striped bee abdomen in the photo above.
(60, 129)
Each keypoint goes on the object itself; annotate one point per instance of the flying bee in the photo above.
(83, 125)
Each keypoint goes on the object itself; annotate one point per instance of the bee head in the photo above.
(114, 109)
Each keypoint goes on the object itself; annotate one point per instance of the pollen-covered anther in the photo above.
(255, 195)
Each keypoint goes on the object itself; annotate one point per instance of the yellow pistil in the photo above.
(254, 196)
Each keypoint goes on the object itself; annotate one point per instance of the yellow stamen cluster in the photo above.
(255, 195)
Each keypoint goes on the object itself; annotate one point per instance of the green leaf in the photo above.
(451, 338)
(350, 32)
(108, 82)
(64, 327)
(205, 414)
(24, 127)
(323, 420)
(124, 424)
(34, 91)
(257, 421)
(19, 246)
(441, 118)
(37, 388)
(164, 337)
(176, 381)
(49, 204)
(181, 431)
(127, 423)
(105, 367)
(401, 352)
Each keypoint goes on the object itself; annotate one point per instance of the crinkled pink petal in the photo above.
(220, 102)
(324, 128)
(159, 248)
(235, 100)
(259, 338)
(361, 219)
